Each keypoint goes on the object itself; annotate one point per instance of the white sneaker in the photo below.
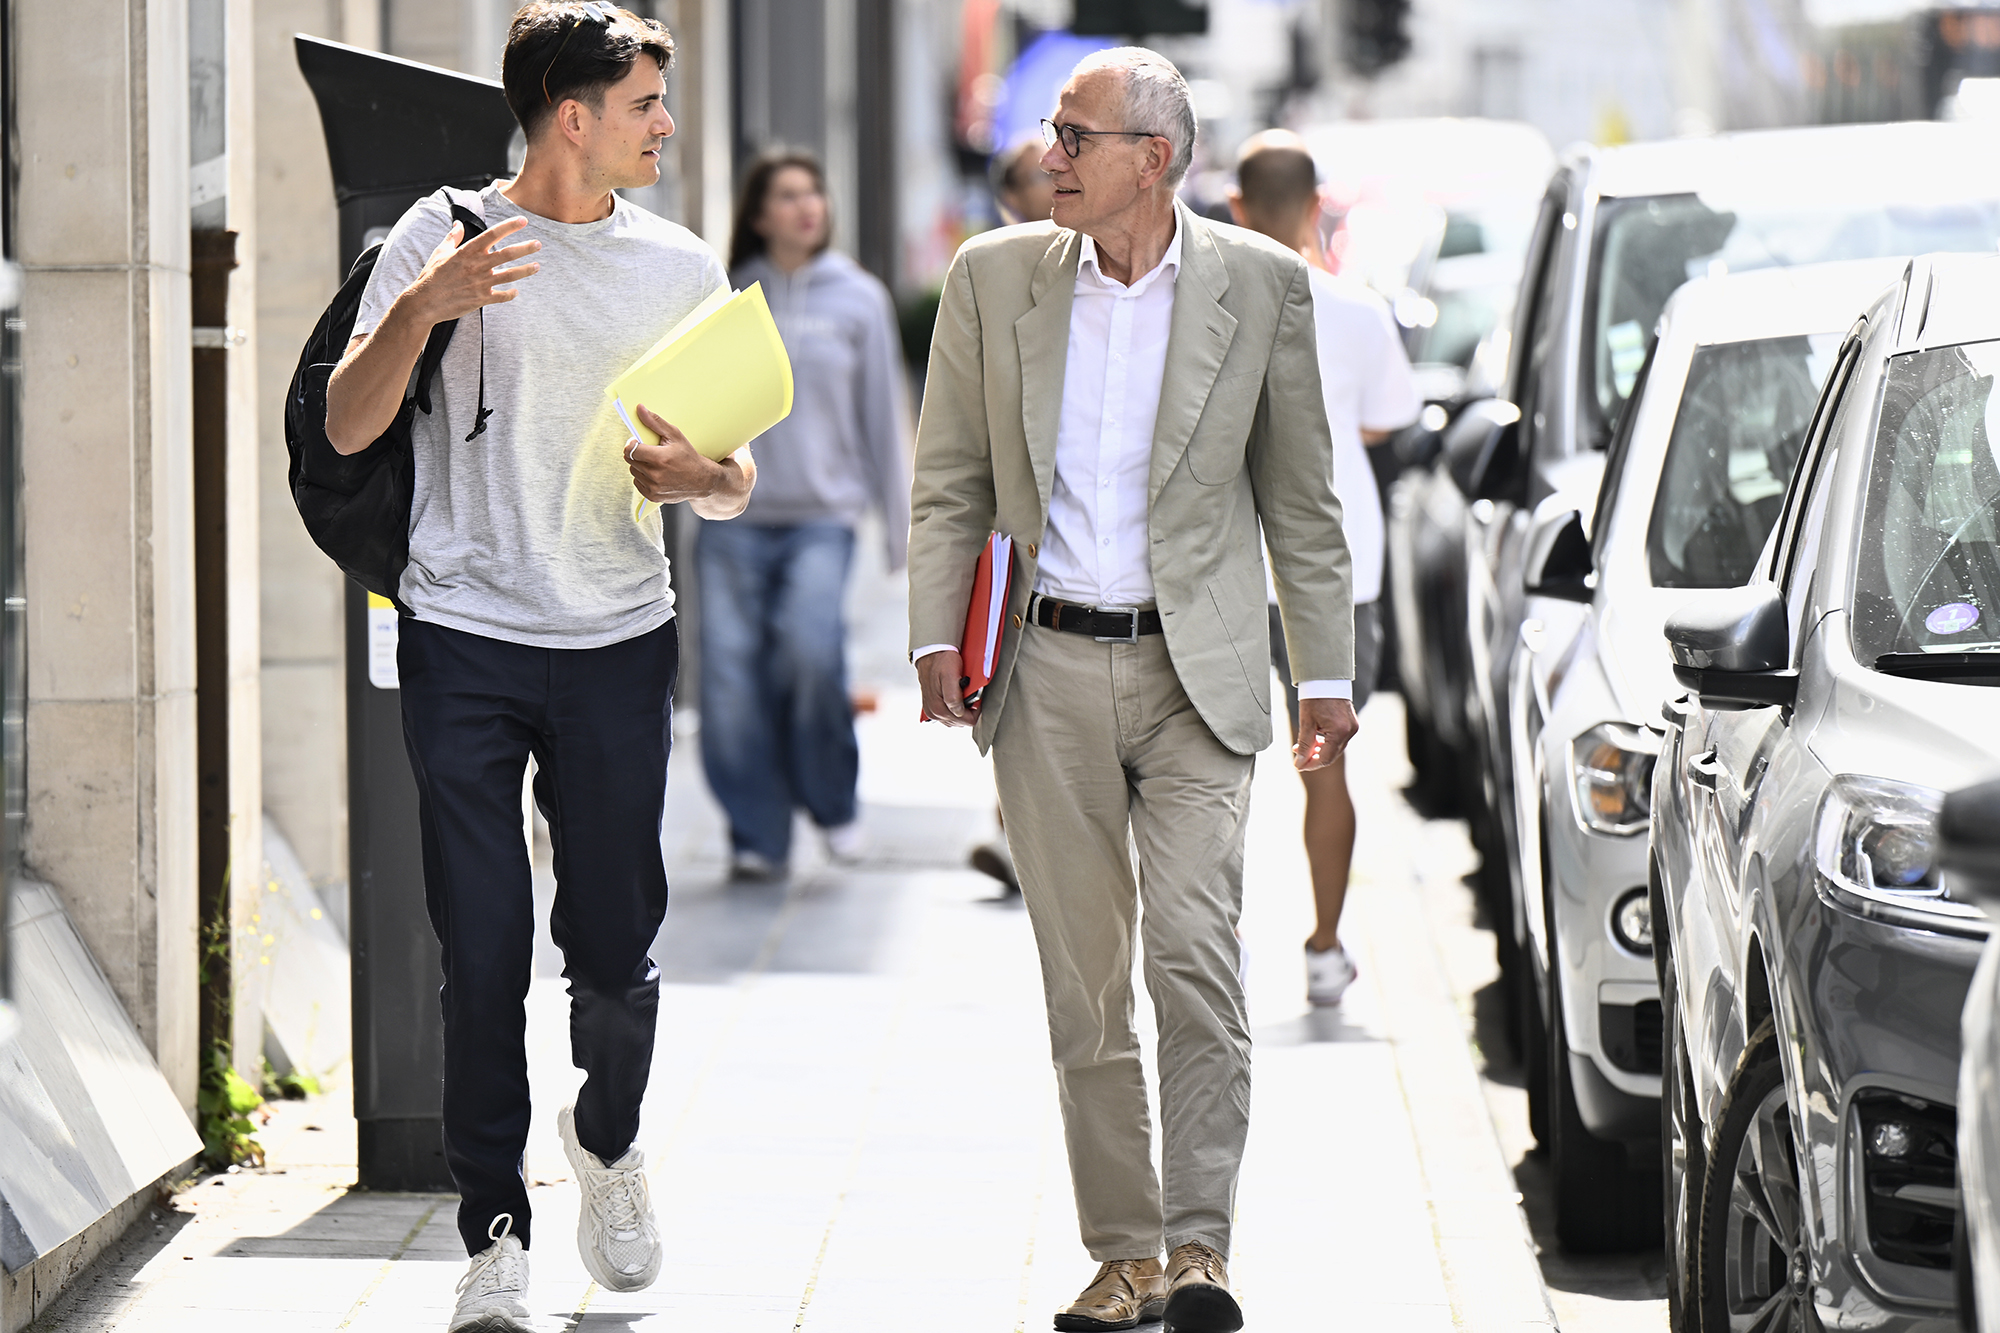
(1328, 974)
(615, 1230)
(493, 1294)
(846, 843)
(754, 868)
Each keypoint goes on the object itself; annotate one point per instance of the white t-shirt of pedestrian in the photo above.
(1365, 377)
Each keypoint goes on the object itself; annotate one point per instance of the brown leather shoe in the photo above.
(1198, 1299)
(1125, 1294)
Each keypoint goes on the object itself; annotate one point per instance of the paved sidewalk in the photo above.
(852, 1116)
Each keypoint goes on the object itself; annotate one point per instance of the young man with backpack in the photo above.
(538, 615)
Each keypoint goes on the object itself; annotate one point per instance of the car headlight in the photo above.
(1875, 845)
(1611, 766)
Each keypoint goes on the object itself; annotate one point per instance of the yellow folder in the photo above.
(721, 375)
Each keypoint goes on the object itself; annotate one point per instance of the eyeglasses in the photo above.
(1072, 138)
(594, 11)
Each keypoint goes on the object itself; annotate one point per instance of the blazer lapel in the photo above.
(1197, 341)
(1042, 335)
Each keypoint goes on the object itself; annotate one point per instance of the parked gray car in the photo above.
(1813, 961)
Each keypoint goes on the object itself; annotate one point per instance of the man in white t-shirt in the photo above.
(1370, 392)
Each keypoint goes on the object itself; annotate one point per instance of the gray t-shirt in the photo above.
(527, 532)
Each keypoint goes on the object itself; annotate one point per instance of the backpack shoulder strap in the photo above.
(464, 206)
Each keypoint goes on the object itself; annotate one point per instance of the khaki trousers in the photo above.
(1099, 740)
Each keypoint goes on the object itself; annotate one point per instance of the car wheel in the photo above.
(1603, 1205)
(1434, 792)
(1683, 1162)
(1533, 1036)
(1753, 1272)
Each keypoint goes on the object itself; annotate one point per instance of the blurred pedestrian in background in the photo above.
(1022, 189)
(1370, 393)
(777, 725)
(1091, 395)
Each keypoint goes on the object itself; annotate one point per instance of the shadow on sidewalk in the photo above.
(361, 1224)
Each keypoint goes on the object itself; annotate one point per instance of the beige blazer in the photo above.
(1241, 437)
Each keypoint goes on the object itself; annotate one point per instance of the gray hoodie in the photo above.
(845, 446)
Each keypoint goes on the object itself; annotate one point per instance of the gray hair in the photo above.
(1157, 100)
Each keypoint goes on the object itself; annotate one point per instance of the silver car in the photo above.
(1693, 481)
(1815, 963)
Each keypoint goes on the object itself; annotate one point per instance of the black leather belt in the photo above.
(1106, 624)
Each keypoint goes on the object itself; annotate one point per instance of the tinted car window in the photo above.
(1648, 246)
(1743, 415)
(1928, 580)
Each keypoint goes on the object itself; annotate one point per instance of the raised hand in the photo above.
(460, 278)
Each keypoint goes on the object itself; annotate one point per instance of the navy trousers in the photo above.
(597, 721)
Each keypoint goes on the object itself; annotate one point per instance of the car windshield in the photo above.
(1929, 574)
(1647, 246)
(1742, 417)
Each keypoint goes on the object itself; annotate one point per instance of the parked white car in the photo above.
(1692, 483)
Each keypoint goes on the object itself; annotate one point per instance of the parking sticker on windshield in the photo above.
(1952, 618)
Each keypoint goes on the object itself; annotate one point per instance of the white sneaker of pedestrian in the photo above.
(615, 1230)
(846, 843)
(1328, 974)
(754, 868)
(493, 1294)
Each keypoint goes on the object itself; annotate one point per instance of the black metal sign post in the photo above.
(395, 131)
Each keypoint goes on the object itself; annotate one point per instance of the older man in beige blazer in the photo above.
(1128, 391)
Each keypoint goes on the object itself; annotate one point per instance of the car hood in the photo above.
(1918, 731)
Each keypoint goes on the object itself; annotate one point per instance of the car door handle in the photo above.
(1533, 635)
(1677, 710)
(1704, 770)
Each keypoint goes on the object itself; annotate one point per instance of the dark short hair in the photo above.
(1277, 181)
(744, 242)
(559, 49)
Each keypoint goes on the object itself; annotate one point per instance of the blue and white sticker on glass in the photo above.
(1952, 618)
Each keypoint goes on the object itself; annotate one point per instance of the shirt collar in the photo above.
(1087, 261)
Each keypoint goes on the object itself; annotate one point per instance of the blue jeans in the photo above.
(777, 726)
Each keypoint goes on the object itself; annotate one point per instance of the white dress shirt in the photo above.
(1096, 550)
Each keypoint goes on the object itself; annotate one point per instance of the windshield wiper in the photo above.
(1975, 668)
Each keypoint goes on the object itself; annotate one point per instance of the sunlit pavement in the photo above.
(852, 1118)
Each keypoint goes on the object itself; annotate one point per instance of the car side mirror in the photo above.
(1417, 445)
(1969, 839)
(1482, 448)
(1559, 558)
(1733, 648)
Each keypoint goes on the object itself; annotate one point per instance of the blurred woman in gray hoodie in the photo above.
(777, 725)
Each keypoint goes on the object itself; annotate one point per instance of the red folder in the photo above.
(985, 618)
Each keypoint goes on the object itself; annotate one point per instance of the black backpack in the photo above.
(356, 507)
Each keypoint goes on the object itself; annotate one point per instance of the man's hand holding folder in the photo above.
(672, 471)
(954, 682)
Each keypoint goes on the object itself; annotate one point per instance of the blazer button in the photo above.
(1032, 551)
(1017, 622)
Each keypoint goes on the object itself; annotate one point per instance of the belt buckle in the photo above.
(1130, 636)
